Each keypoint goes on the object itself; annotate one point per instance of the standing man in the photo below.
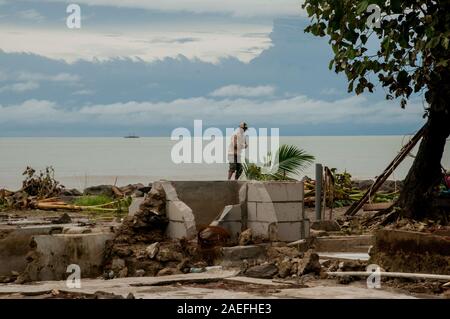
(237, 145)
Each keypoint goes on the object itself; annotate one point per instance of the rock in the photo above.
(168, 271)
(64, 219)
(246, 237)
(123, 251)
(166, 254)
(71, 192)
(284, 268)
(130, 296)
(105, 190)
(152, 250)
(265, 271)
(184, 266)
(323, 274)
(145, 189)
(326, 225)
(117, 264)
(277, 252)
(309, 264)
(353, 265)
(123, 272)
(106, 295)
(140, 273)
(138, 194)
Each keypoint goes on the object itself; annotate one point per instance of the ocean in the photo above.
(82, 162)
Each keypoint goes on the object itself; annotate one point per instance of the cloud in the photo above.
(246, 8)
(244, 91)
(31, 15)
(19, 87)
(60, 77)
(299, 110)
(148, 43)
(84, 92)
(3, 76)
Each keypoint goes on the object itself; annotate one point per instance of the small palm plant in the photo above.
(288, 163)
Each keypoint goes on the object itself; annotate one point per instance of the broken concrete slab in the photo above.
(265, 271)
(52, 254)
(234, 256)
(15, 244)
(135, 204)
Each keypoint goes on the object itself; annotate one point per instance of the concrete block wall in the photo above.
(276, 210)
(273, 210)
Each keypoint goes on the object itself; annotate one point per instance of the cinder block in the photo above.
(259, 228)
(275, 191)
(251, 211)
(281, 212)
(243, 193)
(169, 190)
(178, 211)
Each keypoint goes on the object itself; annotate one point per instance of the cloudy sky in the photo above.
(147, 67)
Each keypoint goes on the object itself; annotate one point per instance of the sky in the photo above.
(147, 67)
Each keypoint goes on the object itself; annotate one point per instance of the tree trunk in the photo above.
(425, 174)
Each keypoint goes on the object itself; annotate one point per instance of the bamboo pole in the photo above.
(387, 172)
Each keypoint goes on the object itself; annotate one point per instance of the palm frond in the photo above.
(288, 163)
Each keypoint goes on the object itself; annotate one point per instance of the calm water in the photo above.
(81, 162)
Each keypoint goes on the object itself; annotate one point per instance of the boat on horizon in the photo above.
(131, 136)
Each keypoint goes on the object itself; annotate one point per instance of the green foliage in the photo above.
(413, 45)
(346, 194)
(291, 162)
(93, 200)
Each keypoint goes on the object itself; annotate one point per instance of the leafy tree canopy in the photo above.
(411, 43)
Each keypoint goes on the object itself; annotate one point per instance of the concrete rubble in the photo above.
(255, 234)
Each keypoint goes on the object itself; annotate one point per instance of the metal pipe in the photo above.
(388, 274)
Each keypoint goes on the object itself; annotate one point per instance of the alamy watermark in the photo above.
(374, 279)
(73, 20)
(74, 279)
(211, 145)
(374, 19)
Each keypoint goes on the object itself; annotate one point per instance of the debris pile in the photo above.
(35, 187)
(284, 262)
(345, 191)
(140, 248)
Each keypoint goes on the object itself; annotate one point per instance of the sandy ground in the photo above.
(219, 284)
